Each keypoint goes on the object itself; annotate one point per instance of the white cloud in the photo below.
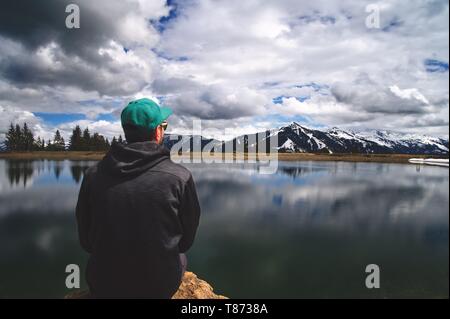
(14, 115)
(105, 128)
(109, 55)
(10, 115)
(235, 44)
(224, 62)
(409, 94)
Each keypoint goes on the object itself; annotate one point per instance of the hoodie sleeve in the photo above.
(83, 215)
(189, 215)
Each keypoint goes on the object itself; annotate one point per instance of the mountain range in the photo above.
(298, 138)
(301, 139)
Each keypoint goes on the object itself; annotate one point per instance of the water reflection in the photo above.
(23, 172)
(78, 171)
(307, 231)
(19, 172)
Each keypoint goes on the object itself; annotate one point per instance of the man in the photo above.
(137, 212)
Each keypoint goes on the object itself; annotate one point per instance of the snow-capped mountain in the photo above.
(297, 138)
(404, 143)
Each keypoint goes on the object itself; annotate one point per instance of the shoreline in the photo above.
(67, 155)
(289, 157)
(356, 158)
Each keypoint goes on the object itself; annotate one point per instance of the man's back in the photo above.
(137, 211)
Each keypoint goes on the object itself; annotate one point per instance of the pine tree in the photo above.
(38, 144)
(86, 140)
(25, 137)
(19, 138)
(28, 138)
(58, 142)
(49, 146)
(11, 139)
(76, 139)
(96, 142)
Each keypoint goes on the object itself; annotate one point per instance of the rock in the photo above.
(194, 288)
(191, 288)
(80, 294)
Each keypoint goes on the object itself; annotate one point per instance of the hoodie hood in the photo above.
(133, 159)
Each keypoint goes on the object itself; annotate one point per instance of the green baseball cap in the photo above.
(144, 114)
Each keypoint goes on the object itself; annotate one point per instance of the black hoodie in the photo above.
(136, 212)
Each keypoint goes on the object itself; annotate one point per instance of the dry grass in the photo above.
(377, 158)
(54, 155)
(291, 157)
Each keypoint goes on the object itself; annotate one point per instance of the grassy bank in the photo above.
(54, 155)
(376, 158)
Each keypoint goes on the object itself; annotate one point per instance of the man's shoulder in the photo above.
(90, 172)
(174, 169)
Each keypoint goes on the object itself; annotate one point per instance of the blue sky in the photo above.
(433, 66)
(162, 23)
(60, 118)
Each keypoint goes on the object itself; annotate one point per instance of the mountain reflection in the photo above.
(23, 172)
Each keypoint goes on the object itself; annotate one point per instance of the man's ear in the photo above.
(158, 134)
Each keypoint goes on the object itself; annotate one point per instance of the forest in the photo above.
(20, 138)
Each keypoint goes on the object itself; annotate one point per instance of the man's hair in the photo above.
(134, 134)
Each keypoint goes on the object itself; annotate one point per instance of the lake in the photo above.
(307, 231)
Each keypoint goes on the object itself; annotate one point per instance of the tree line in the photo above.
(21, 139)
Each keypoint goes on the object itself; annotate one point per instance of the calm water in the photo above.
(307, 231)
